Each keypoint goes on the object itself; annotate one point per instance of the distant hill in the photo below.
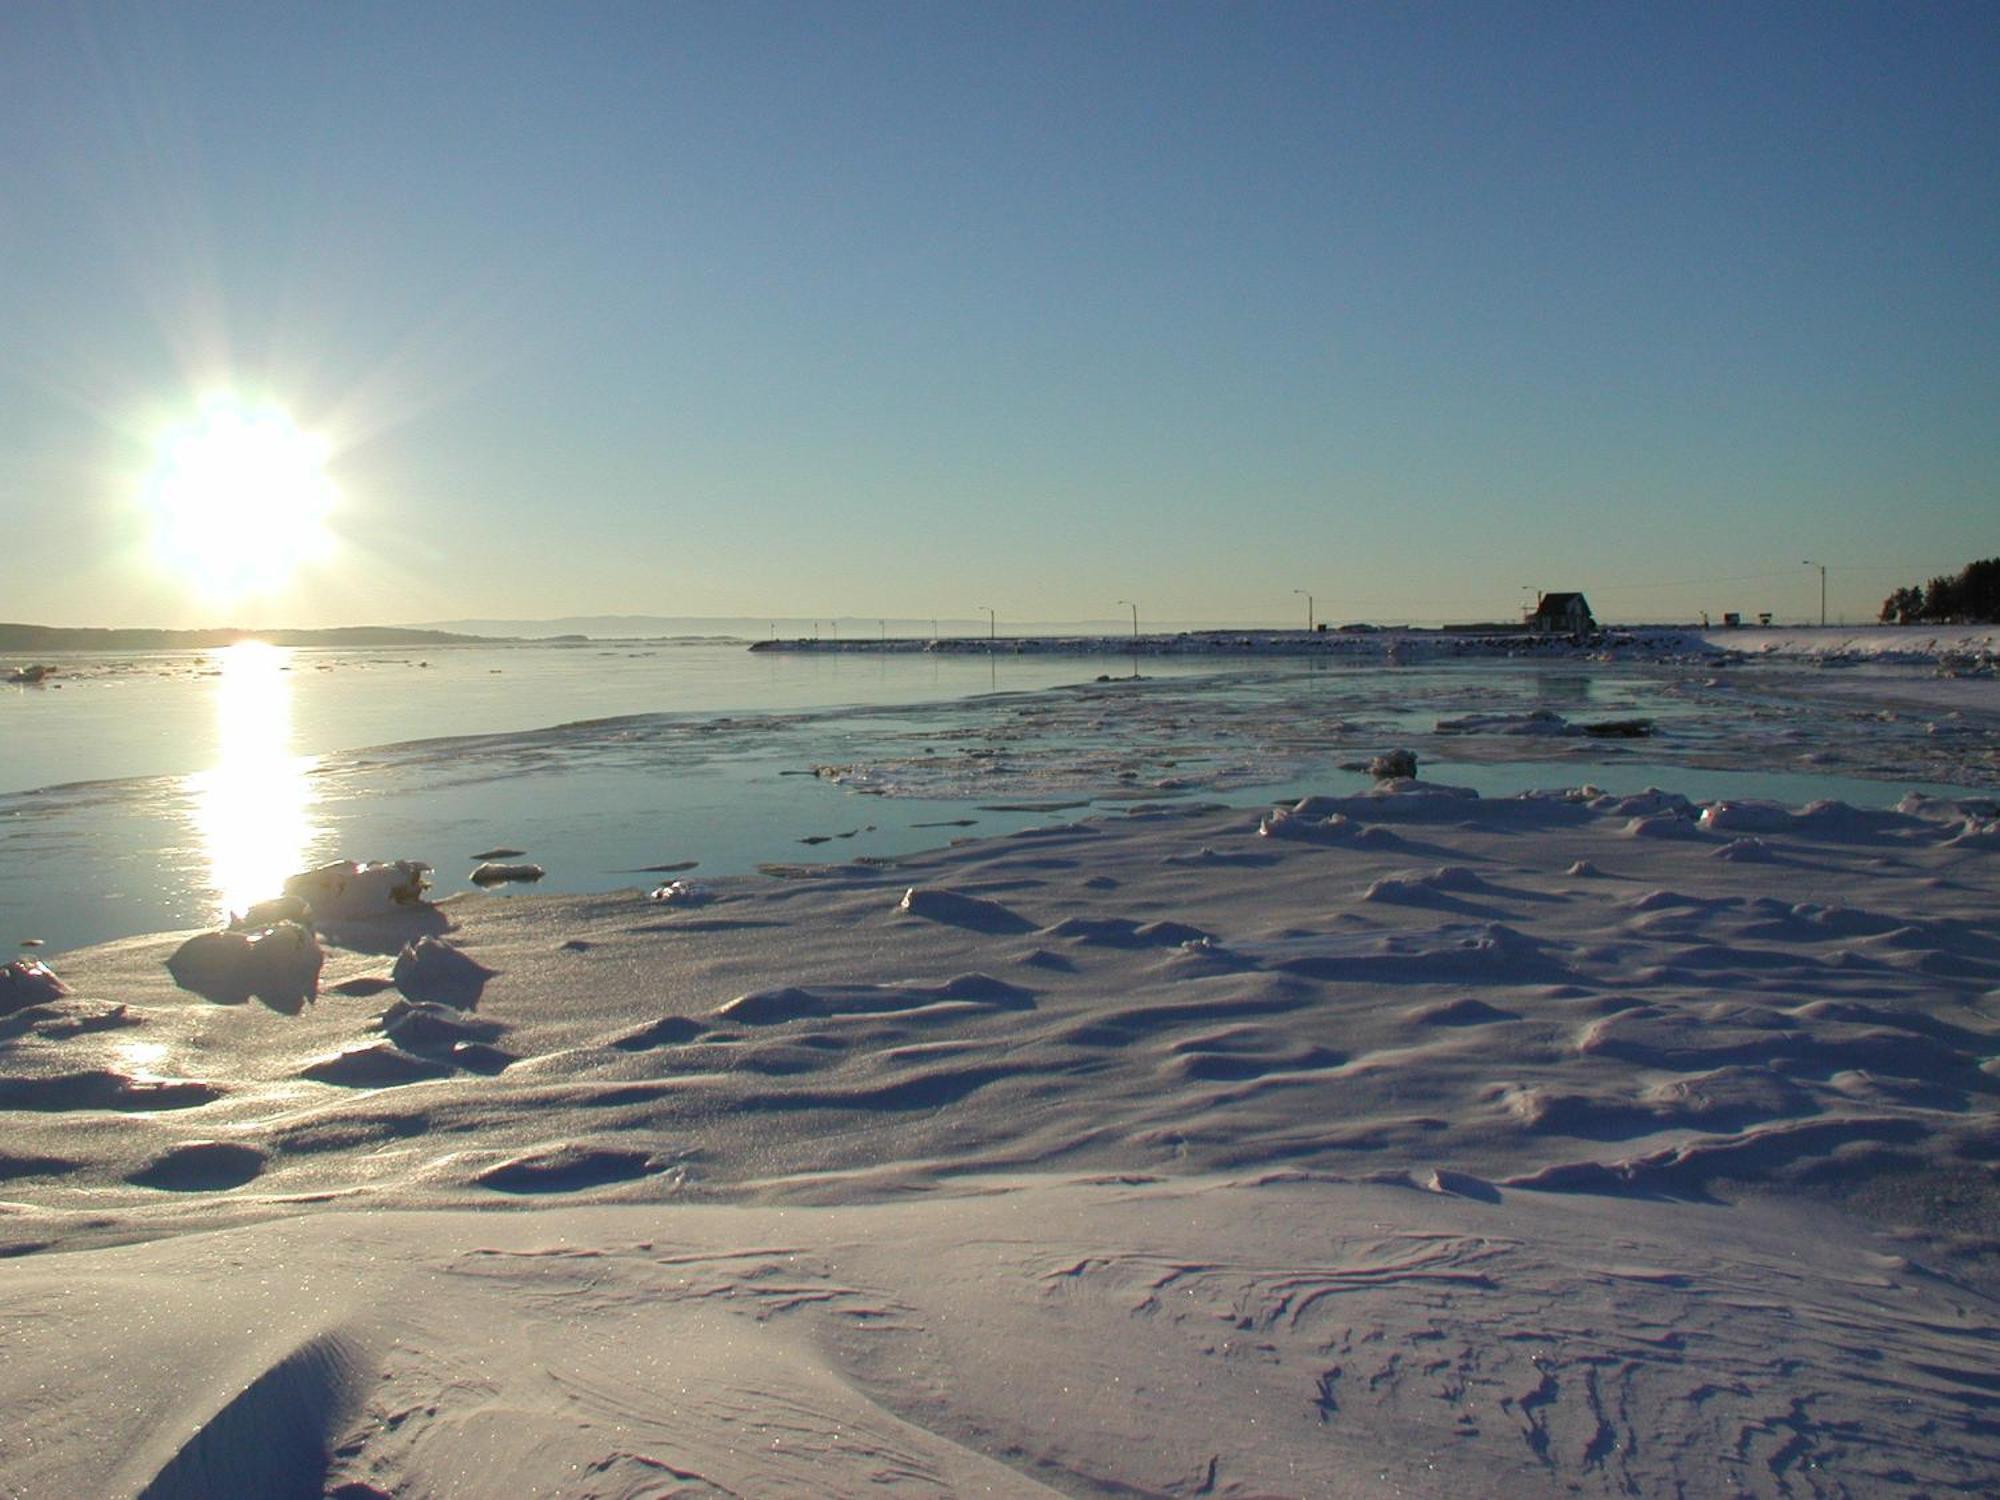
(763, 627)
(18, 639)
(619, 627)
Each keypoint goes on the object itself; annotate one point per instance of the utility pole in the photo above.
(1809, 563)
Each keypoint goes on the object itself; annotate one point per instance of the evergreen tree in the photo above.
(1979, 590)
(1972, 597)
(1903, 607)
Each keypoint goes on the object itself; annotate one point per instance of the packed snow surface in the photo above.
(1405, 1141)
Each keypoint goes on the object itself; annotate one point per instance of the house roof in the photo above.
(1560, 604)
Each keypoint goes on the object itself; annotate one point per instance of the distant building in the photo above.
(1562, 614)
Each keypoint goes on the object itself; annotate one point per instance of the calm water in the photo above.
(157, 791)
(151, 793)
(174, 713)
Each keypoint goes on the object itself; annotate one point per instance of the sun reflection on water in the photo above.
(253, 809)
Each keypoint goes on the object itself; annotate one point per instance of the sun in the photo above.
(239, 499)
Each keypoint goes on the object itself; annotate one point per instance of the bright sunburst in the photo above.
(239, 499)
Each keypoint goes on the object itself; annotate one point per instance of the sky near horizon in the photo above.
(897, 310)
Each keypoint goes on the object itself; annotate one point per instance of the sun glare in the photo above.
(239, 499)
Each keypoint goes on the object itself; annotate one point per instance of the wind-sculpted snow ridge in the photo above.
(1957, 649)
(1044, 1337)
(1450, 1144)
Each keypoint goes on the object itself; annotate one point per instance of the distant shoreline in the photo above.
(1908, 644)
(1885, 644)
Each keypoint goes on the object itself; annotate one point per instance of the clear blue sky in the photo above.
(900, 309)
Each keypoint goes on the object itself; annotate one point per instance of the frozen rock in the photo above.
(430, 970)
(1618, 729)
(1461, 1185)
(280, 965)
(1748, 816)
(1540, 721)
(955, 909)
(426, 1026)
(27, 982)
(499, 874)
(1394, 765)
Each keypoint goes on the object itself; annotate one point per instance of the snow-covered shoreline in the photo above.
(1406, 1141)
(1902, 644)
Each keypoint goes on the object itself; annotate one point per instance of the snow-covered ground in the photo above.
(1911, 643)
(1402, 1142)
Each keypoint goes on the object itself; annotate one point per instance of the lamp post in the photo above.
(1135, 620)
(990, 619)
(1809, 563)
(1309, 610)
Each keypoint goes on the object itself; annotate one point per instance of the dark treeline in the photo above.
(1973, 596)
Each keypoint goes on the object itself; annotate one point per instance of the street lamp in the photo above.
(1809, 563)
(990, 619)
(1135, 619)
(1309, 610)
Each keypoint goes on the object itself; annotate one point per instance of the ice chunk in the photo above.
(348, 889)
(682, 893)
